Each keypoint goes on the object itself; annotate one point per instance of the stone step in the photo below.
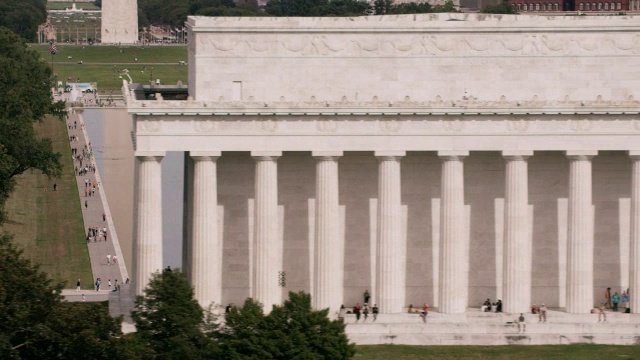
(493, 339)
(505, 329)
(493, 318)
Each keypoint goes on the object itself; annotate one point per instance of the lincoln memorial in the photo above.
(439, 158)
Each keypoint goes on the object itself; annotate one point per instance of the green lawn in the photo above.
(115, 54)
(104, 64)
(520, 352)
(64, 5)
(48, 225)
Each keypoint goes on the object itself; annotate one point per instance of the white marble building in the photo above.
(442, 158)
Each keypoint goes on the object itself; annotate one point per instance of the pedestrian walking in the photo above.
(84, 298)
(86, 204)
(55, 187)
(109, 283)
(108, 259)
(542, 316)
(374, 311)
(104, 217)
(78, 285)
(114, 259)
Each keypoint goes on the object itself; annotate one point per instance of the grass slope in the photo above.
(48, 225)
(103, 64)
(520, 352)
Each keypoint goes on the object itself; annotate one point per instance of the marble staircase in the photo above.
(477, 328)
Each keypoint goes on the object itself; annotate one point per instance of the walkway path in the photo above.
(94, 205)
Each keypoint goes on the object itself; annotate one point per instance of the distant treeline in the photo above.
(23, 16)
(175, 12)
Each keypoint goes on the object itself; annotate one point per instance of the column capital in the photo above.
(266, 155)
(634, 155)
(581, 154)
(453, 154)
(205, 155)
(390, 154)
(150, 155)
(516, 155)
(327, 155)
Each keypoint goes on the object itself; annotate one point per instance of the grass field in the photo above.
(48, 225)
(104, 64)
(402, 352)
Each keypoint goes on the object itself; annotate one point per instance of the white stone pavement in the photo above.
(96, 205)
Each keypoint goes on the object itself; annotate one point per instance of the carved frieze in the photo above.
(418, 44)
(385, 125)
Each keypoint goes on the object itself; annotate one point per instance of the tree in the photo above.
(290, 331)
(25, 85)
(170, 322)
(36, 324)
(382, 7)
(23, 17)
(501, 8)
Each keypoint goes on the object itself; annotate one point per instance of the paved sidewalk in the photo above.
(93, 208)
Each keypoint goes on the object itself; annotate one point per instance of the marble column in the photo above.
(634, 264)
(454, 244)
(580, 236)
(205, 262)
(268, 244)
(148, 236)
(517, 236)
(329, 248)
(391, 259)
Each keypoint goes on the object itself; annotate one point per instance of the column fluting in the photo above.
(206, 247)
(268, 244)
(634, 261)
(148, 240)
(391, 259)
(580, 236)
(517, 239)
(329, 248)
(454, 244)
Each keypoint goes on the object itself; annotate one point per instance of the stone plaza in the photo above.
(441, 159)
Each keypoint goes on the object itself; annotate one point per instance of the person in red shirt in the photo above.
(356, 310)
(425, 312)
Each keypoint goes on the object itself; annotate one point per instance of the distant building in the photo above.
(575, 5)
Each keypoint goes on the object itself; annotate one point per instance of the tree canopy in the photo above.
(500, 8)
(169, 321)
(174, 13)
(291, 331)
(36, 324)
(25, 85)
(23, 17)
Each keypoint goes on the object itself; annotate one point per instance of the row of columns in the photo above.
(206, 255)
